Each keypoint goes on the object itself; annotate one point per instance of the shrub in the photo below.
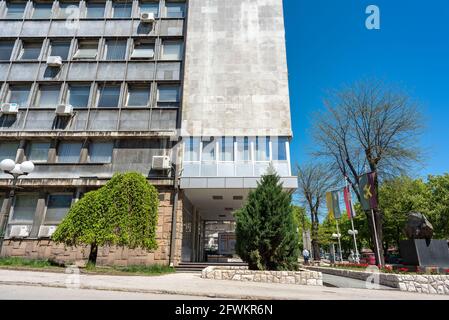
(124, 212)
(266, 231)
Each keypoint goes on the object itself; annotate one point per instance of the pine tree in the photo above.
(267, 236)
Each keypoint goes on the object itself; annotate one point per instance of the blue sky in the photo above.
(328, 46)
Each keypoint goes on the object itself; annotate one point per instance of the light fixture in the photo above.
(27, 167)
(17, 170)
(7, 165)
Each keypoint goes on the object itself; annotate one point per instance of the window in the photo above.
(57, 207)
(68, 9)
(86, 50)
(60, 48)
(108, 96)
(115, 49)
(69, 152)
(172, 51)
(227, 149)
(166, 93)
(100, 152)
(174, 10)
(243, 149)
(48, 96)
(122, 9)
(138, 96)
(192, 149)
(15, 10)
(95, 10)
(262, 148)
(42, 10)
(24, 208)
(19, 94)
(38, 151)
(150, 7)
(8, 150)
(208, 153)
(279, 148)
(6, 49)
(143, 50)
(30, 50)
(78, 95)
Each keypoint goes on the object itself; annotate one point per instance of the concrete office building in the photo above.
(102, 87)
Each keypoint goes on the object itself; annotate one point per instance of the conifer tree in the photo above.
(267, 235)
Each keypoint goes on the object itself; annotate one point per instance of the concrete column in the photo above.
(52, 151)
(39, 214)
(194, 254)
(20, 156)
(84, 152)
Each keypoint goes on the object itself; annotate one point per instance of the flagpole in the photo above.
(357, 257)
(375, 235)
(339, 241)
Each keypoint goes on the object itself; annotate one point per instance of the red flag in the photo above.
(348, 202)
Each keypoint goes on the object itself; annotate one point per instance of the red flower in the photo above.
(403, 269)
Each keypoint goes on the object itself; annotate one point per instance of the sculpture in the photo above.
(418, 227)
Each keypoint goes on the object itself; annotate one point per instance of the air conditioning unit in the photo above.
(54, 61)
(19, 231)
(46, 231)
(147, 17)
(64, 110)
(161, 163)
(9, 108)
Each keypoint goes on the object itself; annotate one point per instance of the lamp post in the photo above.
(338, 236)
(16, 170)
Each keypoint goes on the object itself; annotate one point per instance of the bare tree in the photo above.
(369, 126)
(314, 181)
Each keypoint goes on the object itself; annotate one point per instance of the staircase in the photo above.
(199, 266)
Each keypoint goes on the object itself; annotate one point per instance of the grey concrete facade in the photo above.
(217, 68)
(236, 79)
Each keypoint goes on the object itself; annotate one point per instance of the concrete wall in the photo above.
(46, 249)
(236, 80)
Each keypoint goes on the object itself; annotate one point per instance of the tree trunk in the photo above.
(315, 241)
(93, 253)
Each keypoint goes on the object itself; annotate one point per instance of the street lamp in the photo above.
(338, 236)
(16, 170)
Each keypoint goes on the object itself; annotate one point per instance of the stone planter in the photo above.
(301, 277)
(421, 283)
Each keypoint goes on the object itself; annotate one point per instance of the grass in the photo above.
(22, 262)
(45, 265)
(131, 270)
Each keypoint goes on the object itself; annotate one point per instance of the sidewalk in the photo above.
(190, 284)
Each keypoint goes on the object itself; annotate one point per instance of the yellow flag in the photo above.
(330, 205)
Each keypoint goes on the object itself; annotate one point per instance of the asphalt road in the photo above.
(20, 292)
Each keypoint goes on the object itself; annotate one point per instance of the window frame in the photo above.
(28, 151)
(94, 3)
(13, 42)
(138, 42)
(12, 220)
(106, 49)
(169, 102)
(91, 144)
(181, 53)
(21, 51)
(6, 10)
(82, 42)
(38, 95)
(47, 202)
(66, 142)
(174, 3)
(9, 94)
(33, 10)
(57, 41)
(68, 93)
(122, 3)
(129, 88)
(3, 143)
(98, 95)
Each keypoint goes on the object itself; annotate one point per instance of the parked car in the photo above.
(368, 258)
